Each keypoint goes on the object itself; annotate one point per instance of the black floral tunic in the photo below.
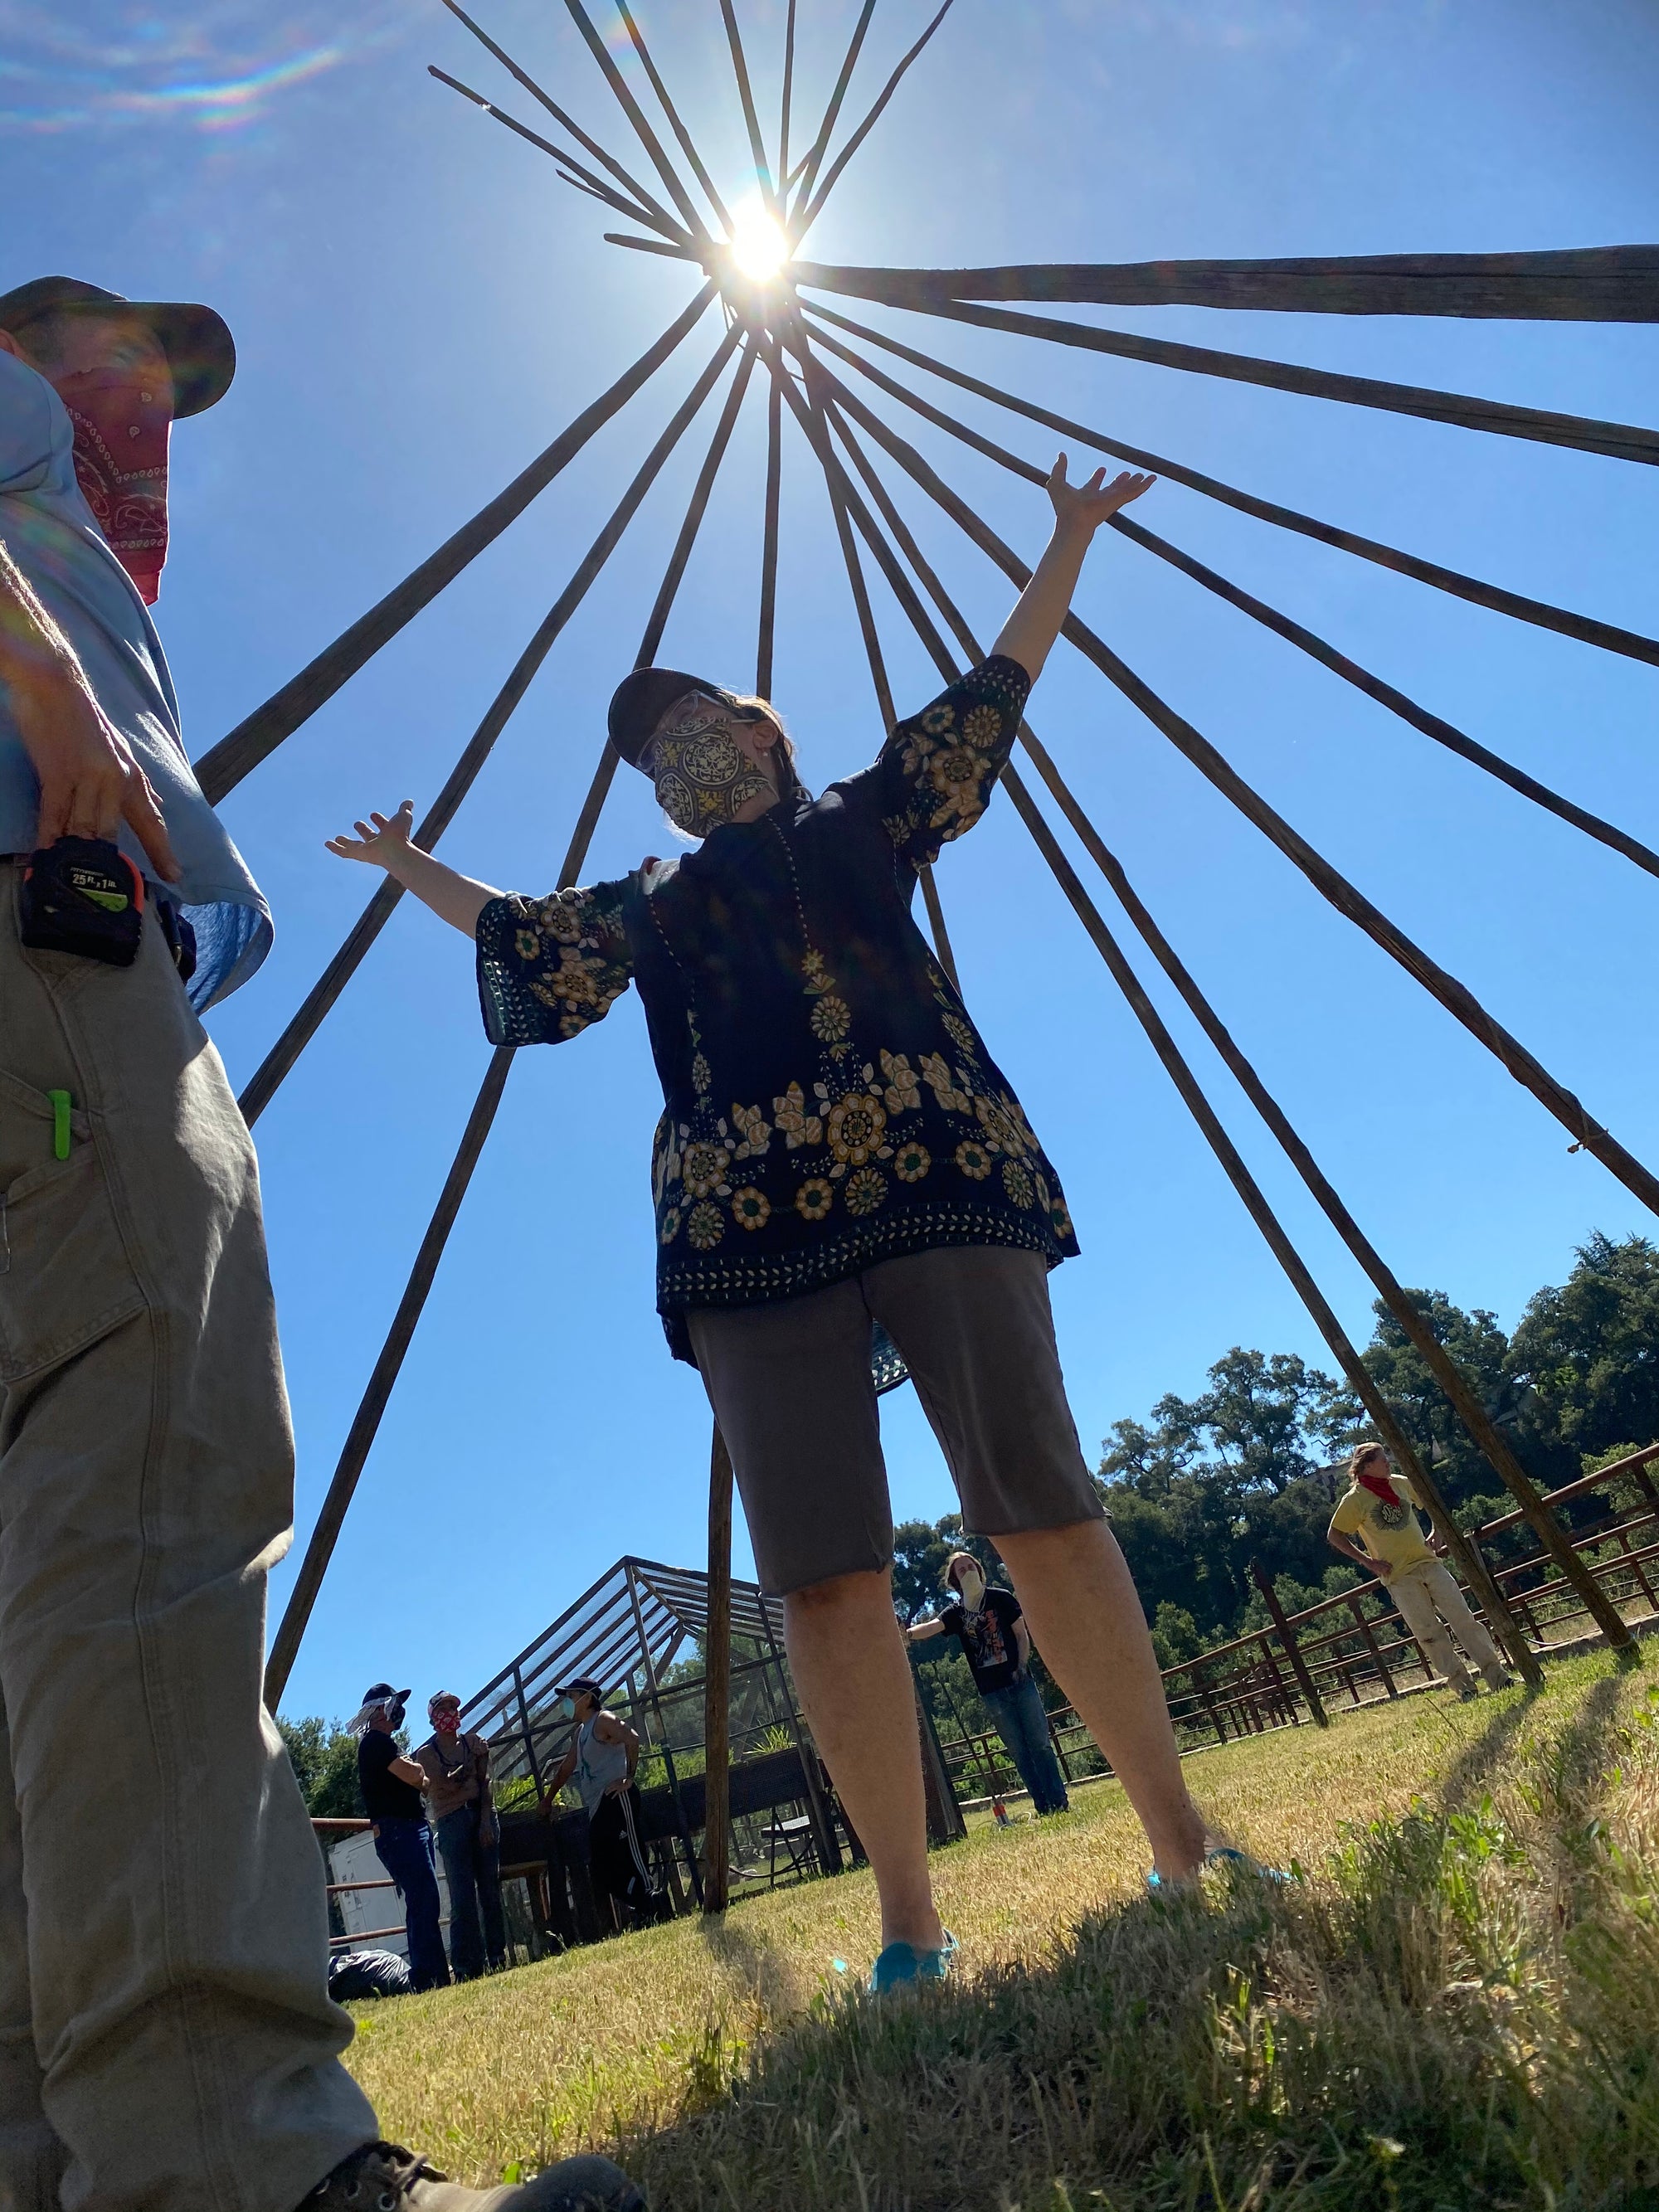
(830, 1104)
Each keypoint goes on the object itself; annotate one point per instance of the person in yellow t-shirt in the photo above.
(1374, 1525)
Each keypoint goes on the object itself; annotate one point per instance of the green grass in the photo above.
(1456, 2002)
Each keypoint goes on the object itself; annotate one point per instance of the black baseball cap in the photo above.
(641, 700)
(200, 350)
(594, 1690)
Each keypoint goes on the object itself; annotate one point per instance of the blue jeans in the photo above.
(473, 1871)
(405, 1849)
(1024, 1726)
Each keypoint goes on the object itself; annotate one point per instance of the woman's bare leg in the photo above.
(1084, 1614)
(848, 1660)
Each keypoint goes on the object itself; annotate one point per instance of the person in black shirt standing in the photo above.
(391, 1786)
(991, 1629)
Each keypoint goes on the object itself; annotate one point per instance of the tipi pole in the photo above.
(717, 1685)
(642, 131)
(826, 129)
(582, 177)
(751, 119)
(662, 220)
(1590, 285)
(1454, 996)
(263, 1085)
(673, 114)
(222, 767)
(805, 218)
(1606, 636)
(1621, 442)
(361, 1438)
(1359, 1379)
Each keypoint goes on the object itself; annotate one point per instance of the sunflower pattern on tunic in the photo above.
(855, 1115)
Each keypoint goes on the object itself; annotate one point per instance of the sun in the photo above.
(759, 247)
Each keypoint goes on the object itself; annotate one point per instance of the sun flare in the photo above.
(758, 245)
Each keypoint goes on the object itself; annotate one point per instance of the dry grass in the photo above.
(1454, 2005)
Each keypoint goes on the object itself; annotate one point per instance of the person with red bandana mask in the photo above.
(1375, 1525)
(166, 2034)
(460, 1811)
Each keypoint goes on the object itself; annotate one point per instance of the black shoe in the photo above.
(381, 2177)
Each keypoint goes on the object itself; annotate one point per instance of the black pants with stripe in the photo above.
(617, 1857)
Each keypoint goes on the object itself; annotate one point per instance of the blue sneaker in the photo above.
(901, 1963)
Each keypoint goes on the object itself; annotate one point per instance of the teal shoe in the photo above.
(901, 1963)
(1220, 1855)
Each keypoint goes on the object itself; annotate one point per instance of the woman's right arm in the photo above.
(385, 843)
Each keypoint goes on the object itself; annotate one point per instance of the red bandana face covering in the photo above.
(121, 425)
(1378, 1484)
(447, 1723)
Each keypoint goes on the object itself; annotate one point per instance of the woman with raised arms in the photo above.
(839, 1150)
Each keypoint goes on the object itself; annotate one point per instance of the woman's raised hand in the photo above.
(1084, 506)
(384, 844)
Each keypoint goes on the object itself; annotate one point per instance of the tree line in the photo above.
(1250, 1467)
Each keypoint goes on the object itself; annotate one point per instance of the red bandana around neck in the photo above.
(1379, 1486)
(121, 425)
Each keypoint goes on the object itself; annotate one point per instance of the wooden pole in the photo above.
(1397, 703)
(1458, 1000)
(1310, 1696)
(717, 1685)
(1592, 284)
(664, 220)
(1620, 441)
(673, 114)
(769, 592)
(1606, 636)
(786, 100)
(365, 1425)
(808, 216)
(222, 767)
(751, 119)
(263, 1085)
(1507, 1628)
(821, 144)
(680, 1821)
(581, 176)
(642, 131)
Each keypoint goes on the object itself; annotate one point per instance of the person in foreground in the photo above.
(603, 1753)
(1375, 1527)
(166, 2034)
(990, 1627)
(839, 1149)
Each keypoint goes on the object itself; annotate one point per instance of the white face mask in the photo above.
(971, 1584)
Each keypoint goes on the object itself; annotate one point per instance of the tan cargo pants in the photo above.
(167, 2041)
(1427, 1595)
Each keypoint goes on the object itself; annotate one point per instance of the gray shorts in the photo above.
(790, 1387)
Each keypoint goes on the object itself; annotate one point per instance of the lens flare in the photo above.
(758, 245)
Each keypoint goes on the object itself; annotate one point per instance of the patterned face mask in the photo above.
(703, 777)
(121, 424)
(447, 1720)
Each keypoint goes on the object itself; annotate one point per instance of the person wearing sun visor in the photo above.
(839, 1152)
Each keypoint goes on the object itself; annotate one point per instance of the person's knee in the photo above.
(867, 1589)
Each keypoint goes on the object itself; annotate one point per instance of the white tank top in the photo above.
(598, 1765)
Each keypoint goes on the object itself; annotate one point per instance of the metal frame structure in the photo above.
(773, 326)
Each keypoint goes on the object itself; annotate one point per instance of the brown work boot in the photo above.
(381, 2177)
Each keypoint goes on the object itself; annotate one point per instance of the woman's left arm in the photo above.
(1030, 632)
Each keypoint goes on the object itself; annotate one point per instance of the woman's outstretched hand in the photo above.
(1084, 506)
(384, 844)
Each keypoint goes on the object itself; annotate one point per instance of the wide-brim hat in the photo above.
(642, 699)
(200, 350)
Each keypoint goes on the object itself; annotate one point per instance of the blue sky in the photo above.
(420, 306)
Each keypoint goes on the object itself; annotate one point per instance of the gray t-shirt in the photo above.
(49, 531)
(598, 1765)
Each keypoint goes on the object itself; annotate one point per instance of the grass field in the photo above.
(1453, 2002)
